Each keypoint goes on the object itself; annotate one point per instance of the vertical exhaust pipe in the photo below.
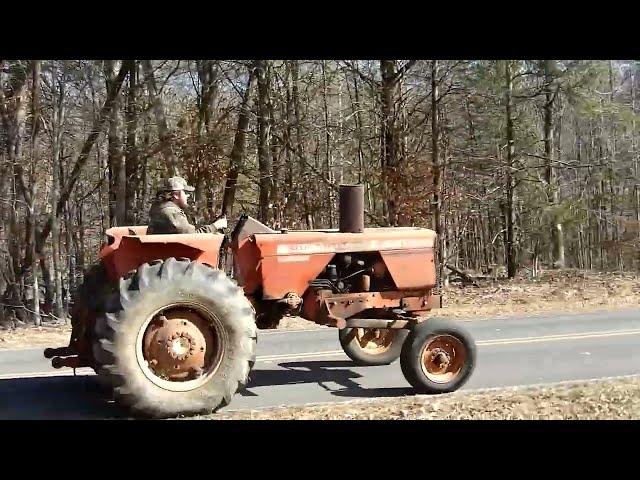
(352, 208)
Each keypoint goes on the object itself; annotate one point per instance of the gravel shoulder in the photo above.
(612, 399)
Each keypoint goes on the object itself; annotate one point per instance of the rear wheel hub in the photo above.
(179, 344)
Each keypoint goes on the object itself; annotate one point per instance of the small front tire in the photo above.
(371, 346)
(438, 356)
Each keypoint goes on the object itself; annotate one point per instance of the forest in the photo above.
(518, 165)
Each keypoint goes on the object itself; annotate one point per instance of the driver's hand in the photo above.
(221, 222)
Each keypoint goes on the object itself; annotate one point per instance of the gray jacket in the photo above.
(167, 217)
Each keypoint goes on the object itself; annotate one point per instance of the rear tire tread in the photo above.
(141, 293)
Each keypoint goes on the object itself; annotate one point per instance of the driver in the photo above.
(166, 214)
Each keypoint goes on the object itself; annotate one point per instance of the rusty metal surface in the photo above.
(246, 261)
(179, 345)
(373, 341)
(324, 307)
(411, 269)
(122, 231)
(281, 263)
(291, 301)
(379, 323)
(351, 208)
(129, 252)
(280, 275)
(350, 304)
(58, 352)
(276, 266)
(372, 239)
(442, 358)
(418, 304)
(69, 362)
(435, 301)
(379, 269)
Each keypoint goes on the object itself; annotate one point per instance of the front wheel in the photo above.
(372, 346)
(438, 356)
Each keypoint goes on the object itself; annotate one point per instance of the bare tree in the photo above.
(236, 158)
(265, 161)
(166, 137)
(117, 165)
(551, 88)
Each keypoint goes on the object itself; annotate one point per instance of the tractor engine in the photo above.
(355, 273)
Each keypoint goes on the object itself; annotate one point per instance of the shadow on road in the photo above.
(81, 397)
(323, 373)
(55, 398)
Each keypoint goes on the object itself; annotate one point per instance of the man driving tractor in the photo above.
(166, 214)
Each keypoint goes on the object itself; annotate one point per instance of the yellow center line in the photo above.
(56, 373)
(286, 356)
(559, 337)
(504, 341)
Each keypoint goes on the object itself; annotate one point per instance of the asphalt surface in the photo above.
(299, 367)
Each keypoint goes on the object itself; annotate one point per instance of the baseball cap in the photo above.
(176, 183)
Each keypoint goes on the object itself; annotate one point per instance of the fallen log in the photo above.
(463, 275)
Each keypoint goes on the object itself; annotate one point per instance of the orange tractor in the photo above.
(169, 322)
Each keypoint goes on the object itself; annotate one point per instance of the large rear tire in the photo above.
(182, 315)
(89, 297)
(89, 305)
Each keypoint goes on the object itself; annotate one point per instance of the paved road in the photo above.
(299, 367)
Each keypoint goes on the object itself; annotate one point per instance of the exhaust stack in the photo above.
(352, 208)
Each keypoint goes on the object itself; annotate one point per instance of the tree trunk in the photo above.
(300, 150)
(557, 235)
(236, 158)
(265, 162)
(208, 73)
(98, 125)
(328, 152)
(71, 252)
(57, 131)
(291, 196)
(166, 137)
(133, 169)
(35, 122)
(14, 123)
(436, 171)
(79, 239)
(634, 151)
(117, 172)
(357, 110)
(274, 141)
(142, 159)
(510, 184)
(389, 141)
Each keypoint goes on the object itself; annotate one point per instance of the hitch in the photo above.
(71, 362)
(59, 352)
